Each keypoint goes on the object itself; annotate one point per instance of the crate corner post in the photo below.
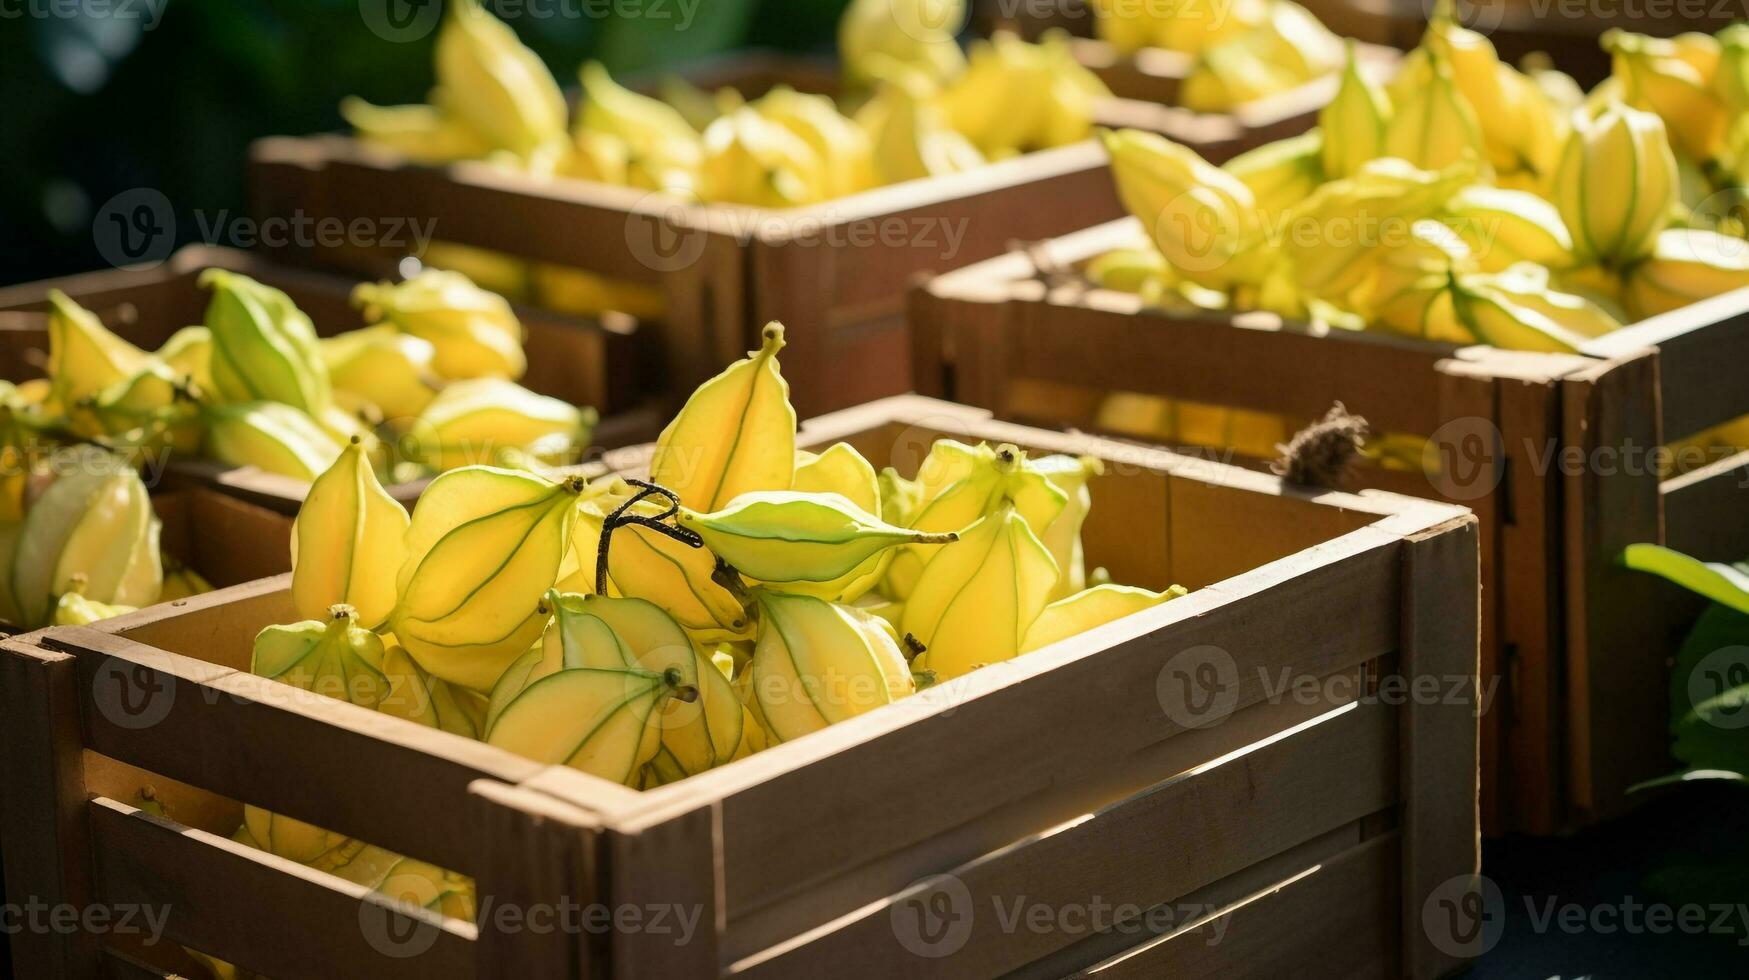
(1440, 648)
(665, 872)
(42, 807)
(1615, 651)
(541, 859)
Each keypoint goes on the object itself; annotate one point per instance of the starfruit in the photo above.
(736, 433)
(1617, 185)
(475, 333)
(346, 542)
(483, 547)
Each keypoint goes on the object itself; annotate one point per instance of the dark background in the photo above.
(96, 104)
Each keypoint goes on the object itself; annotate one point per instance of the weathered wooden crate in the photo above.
(608, 365)
(1154, 76)
(1663, 379)
(1567, 32)
(1328, 832)
(1580, 712)
(834, 273)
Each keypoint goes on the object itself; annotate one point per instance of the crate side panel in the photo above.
(1152, 848)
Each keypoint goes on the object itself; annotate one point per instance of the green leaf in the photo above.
(1709, 681)
(1725, 584)
(1709, 693)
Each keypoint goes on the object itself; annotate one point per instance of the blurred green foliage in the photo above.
(168, 94)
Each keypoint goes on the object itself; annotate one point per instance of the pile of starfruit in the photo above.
(427, 387)
(1466, 202)
(915, 106)
(1242, 50)
(645, 630)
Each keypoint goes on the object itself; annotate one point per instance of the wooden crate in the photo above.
(1153, 77)
(607, 365)
(1315, 831)
(1663, 379)
(1574, 688)
(1568, 33)
(834, 273)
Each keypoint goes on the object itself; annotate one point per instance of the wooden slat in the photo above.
(217, 627)
(1254, 361)
(1698, 348)
(1151, 848)
(1703, 511)
(214, 893)
(1616, 679)
(42, 826)
(1441, 834)
(1336, 922)
(121, 966)
(358, 772)
(226, 540)
(1059, 804)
